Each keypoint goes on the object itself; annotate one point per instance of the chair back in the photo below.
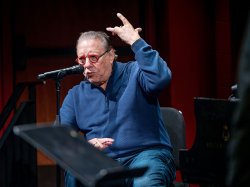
(176, 128)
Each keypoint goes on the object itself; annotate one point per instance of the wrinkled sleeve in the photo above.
(154, 74)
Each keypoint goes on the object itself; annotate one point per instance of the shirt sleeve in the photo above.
(67, 112)
(154, 73)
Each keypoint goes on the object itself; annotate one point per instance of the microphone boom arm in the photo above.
(59, 74)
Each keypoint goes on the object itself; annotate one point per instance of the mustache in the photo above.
(89, 70)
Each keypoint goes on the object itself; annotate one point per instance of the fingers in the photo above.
(126, 32)
(122, 18)
(116, 29)
(112, 30)
(103, 140)
(101, 143)
(96, 144)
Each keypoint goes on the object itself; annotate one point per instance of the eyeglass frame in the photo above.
(97, 58)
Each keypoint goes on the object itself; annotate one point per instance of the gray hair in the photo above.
(102, 36)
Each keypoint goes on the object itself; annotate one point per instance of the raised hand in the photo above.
(126, 32)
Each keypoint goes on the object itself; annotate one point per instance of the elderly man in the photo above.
(116, 106)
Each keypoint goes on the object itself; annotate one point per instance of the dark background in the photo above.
(199, 39)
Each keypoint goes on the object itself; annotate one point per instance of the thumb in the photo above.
(138, 29)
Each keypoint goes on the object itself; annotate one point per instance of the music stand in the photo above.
(73, 153)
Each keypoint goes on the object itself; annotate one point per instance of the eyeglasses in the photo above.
(92, 58)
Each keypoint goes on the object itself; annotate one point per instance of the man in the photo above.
(116, 107)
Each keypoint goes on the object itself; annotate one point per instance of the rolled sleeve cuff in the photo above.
(136, 46)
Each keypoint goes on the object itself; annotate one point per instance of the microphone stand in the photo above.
(58, 79)
(58, 76)
(58, 87)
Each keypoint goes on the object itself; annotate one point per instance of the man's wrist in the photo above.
(137, 44)
(134, 40)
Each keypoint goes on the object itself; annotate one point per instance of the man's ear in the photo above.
(113, 55)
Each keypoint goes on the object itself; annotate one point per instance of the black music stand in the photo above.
(73, 153)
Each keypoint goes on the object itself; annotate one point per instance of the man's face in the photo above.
(97, 68)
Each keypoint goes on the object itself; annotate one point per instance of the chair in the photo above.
(176, 127)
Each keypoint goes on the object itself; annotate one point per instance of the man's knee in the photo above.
(149, 181)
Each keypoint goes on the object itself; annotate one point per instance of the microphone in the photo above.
(60, 73)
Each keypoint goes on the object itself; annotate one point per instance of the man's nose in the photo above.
(87, 63)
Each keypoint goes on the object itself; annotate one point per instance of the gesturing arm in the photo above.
(154, 73)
